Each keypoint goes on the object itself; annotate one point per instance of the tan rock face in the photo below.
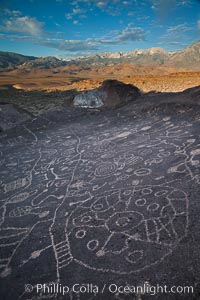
(111, 94)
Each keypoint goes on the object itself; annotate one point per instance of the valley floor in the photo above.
(41, 81)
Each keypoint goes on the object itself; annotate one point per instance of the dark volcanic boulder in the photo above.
(111, 94)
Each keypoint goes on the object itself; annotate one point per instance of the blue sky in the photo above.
(69, 28)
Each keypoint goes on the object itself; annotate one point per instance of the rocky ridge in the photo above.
(187, 58)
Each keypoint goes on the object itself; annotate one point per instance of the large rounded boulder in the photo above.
(111, 94)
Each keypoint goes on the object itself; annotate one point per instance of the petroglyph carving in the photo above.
(105, 200)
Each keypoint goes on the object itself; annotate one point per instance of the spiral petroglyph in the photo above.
(105, 169)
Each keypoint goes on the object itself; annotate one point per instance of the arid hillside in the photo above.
(79, 77)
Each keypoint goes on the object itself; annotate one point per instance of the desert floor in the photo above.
(157, 80)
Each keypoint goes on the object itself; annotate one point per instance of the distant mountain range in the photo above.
(188, 58)
(10, 61)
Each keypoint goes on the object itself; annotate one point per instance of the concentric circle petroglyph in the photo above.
(105, 169)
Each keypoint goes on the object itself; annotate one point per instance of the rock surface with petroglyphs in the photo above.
(11, 116)
(102, 197)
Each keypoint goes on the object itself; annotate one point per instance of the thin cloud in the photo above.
(132, 34)
(23, 25)
(69, 45)
(11, 13)
(111, 7)
(78, 11)
(177, 34)
(15, 23)
(60, 44)
(69, 16)
(178, 30)
(129, 34)
(76, 22)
